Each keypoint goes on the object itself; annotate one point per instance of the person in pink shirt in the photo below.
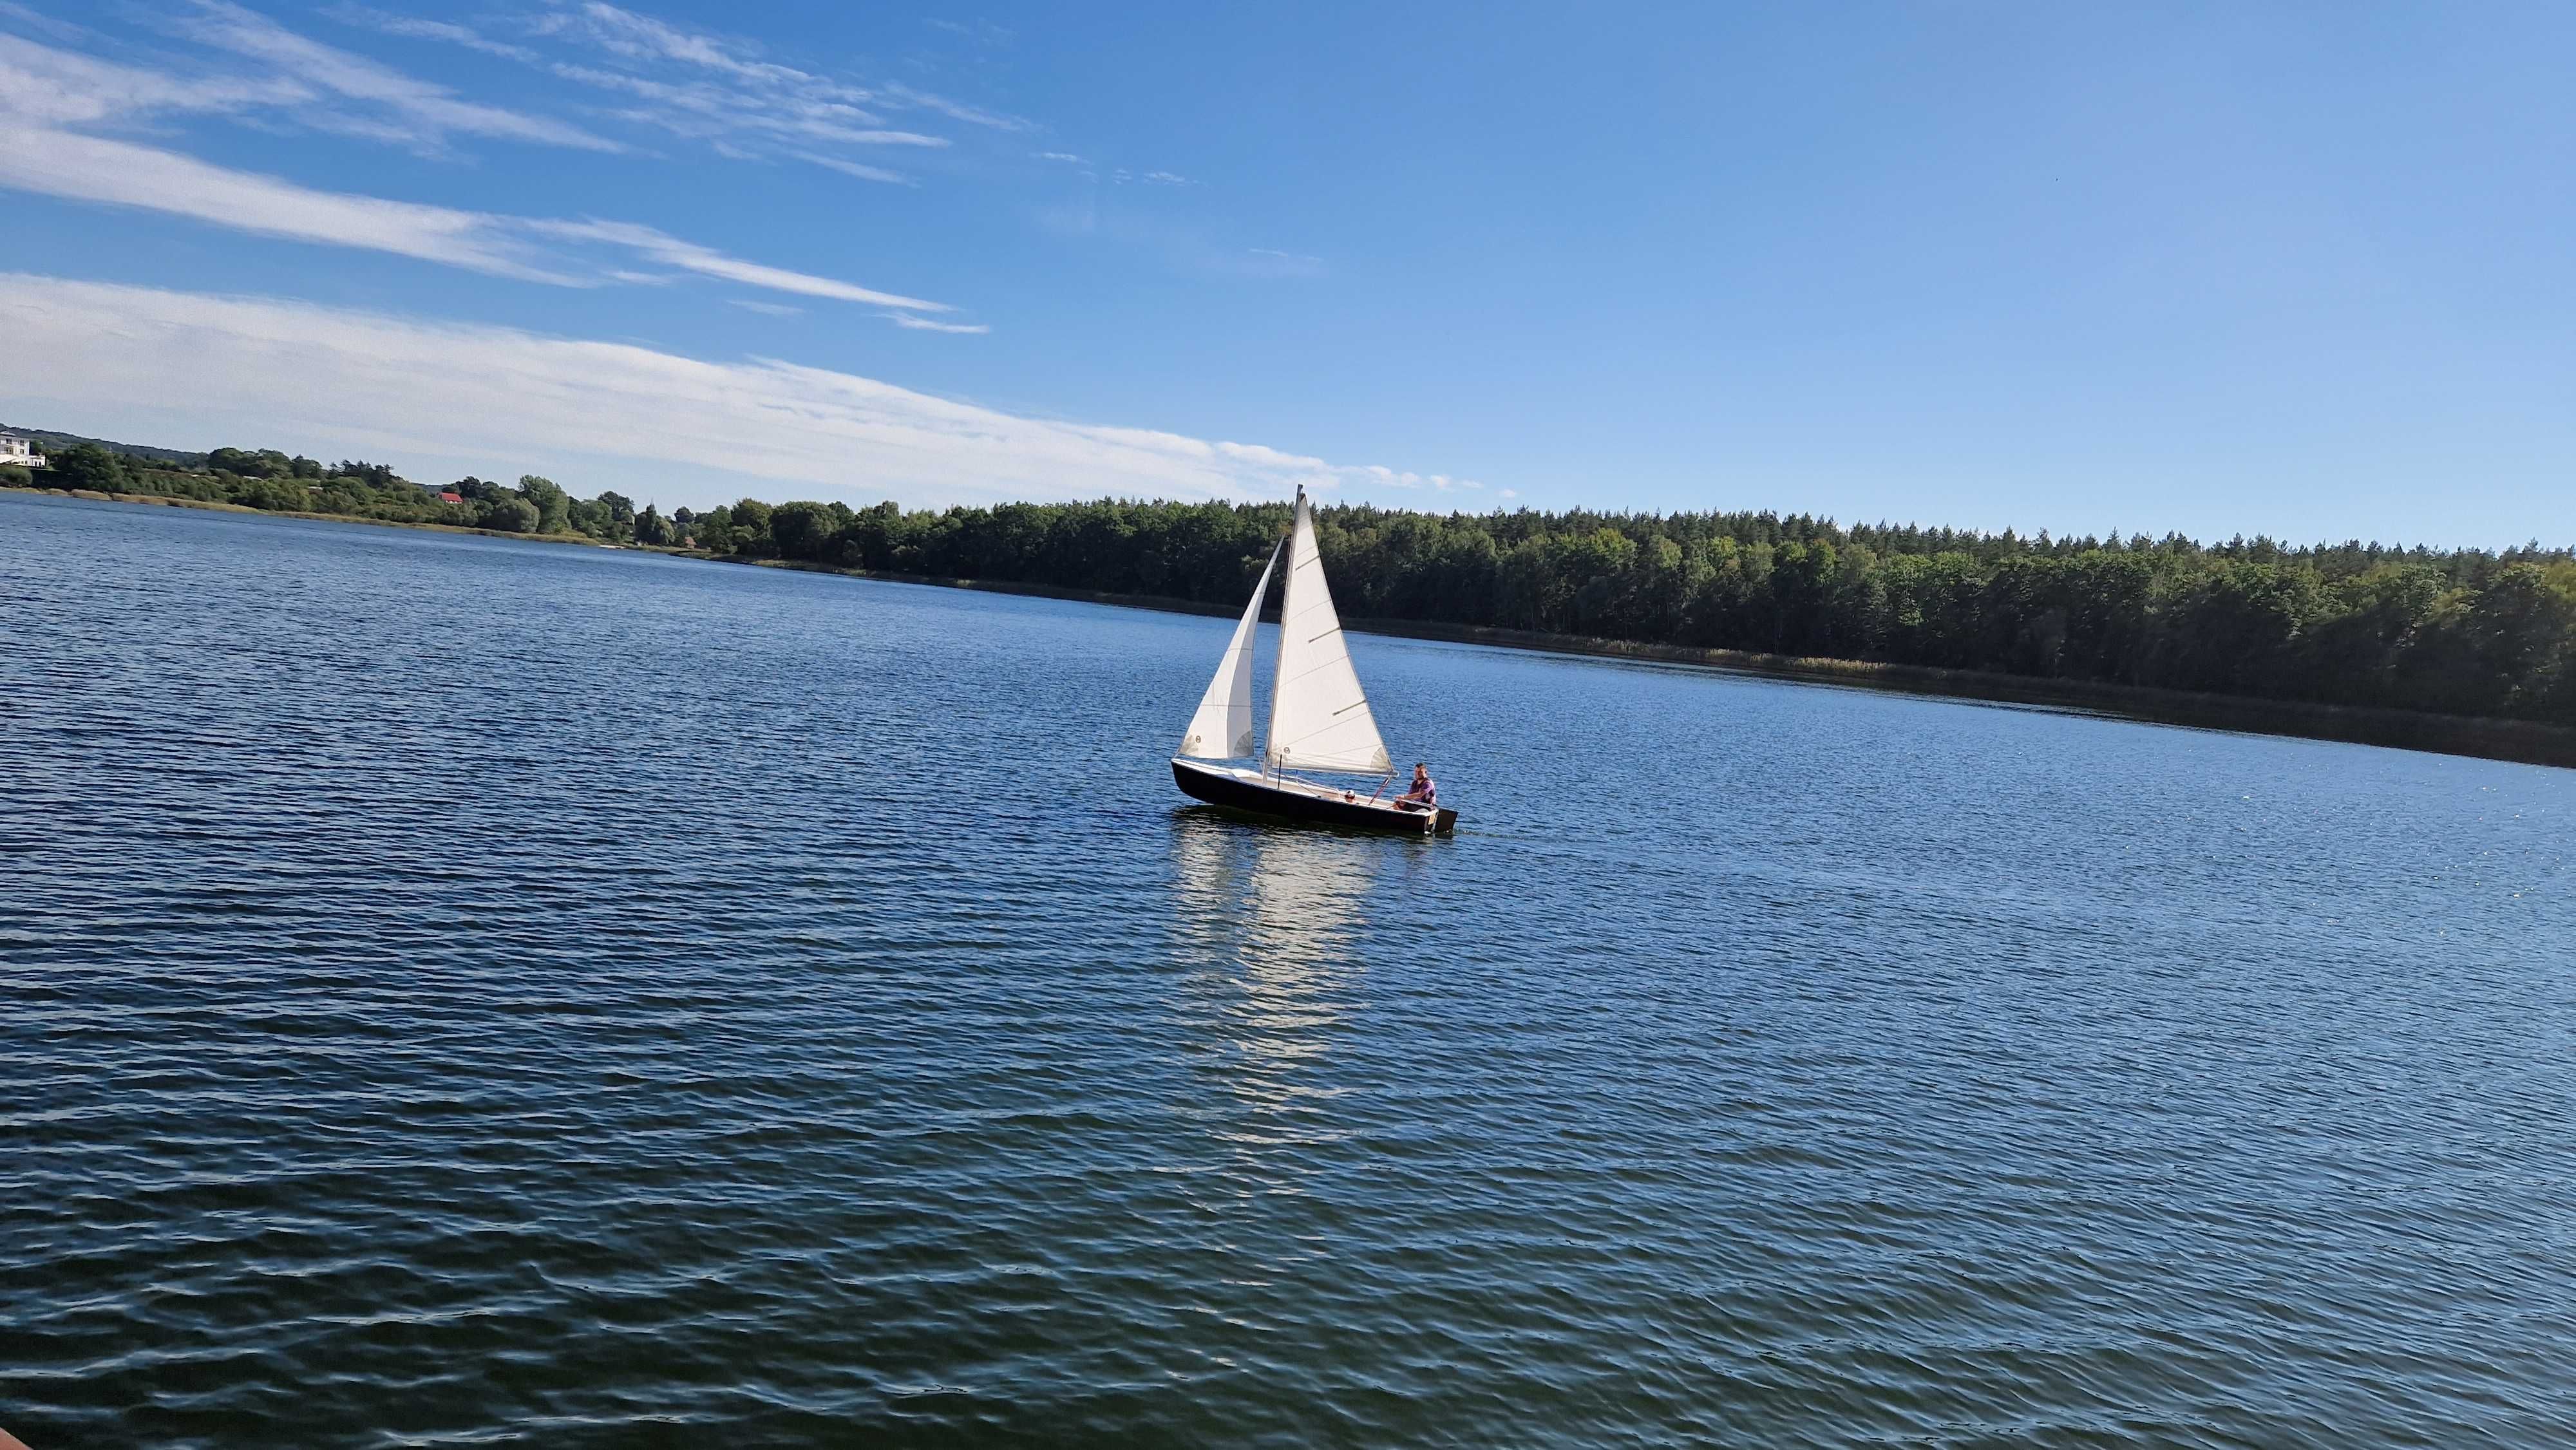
(1422, 795)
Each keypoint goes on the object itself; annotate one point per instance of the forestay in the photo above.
(1319, 718)
(1222, 728)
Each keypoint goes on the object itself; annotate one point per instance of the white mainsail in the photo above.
(1223, 726)
(1319, 718)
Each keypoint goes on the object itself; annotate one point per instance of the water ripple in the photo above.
(461, 992)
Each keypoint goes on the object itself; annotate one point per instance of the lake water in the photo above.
(456, 991)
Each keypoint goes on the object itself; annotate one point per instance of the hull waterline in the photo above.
(1245, 791)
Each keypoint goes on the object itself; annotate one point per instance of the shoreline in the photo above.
(2523, 742)
(214, 506)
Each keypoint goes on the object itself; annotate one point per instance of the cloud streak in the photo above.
(642, 38)
(46, 146)
(923, 324)
(859, 169)
(120, 173)
(308, 83)
(63, 88)
(413, 28)
(423, 113)
(955, 111)
(688, 256)
(707, 87)
(501, 398)
(704, 112)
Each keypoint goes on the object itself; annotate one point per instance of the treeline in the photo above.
(2469, 632)
(352, 488)
(2465, 632)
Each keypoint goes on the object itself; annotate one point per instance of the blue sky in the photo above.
(2296, 269)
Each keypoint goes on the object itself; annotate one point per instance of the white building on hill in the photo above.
(17, 450)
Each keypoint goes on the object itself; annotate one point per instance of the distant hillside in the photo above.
(53, 442)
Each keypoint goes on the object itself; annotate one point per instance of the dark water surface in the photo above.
(454, 991)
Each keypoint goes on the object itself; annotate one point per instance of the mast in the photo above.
(1287, 612)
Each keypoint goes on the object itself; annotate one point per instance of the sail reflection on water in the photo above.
(1271, 924)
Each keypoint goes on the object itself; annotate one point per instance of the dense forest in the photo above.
(2467, 632)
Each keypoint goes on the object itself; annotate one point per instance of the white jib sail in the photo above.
(1222, 728)
(1319, 719)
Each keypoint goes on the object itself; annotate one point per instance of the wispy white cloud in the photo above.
(42, 24)
(122, 173)
(1272, 262)
(290, 78)
(894, 138)
(643, 38)
(119, 173)
(1121, 176)
(64, 88)
(715, 90)
(777, 309)
(954, 110)
(1442, 482)
(859, 169)
(684, 82)
(430, 113)
(409, 27)
(1060, 156)
(924, 324)
(671, 251)
(1263, 456)
(703, 111)
(709, 88)
(502, 399)
(46, 147)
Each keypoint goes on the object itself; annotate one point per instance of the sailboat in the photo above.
(1319, 716)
